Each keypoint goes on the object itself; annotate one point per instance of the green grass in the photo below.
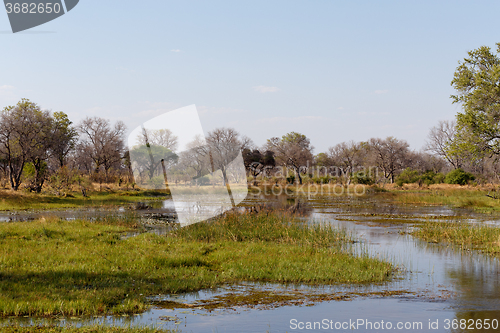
(86, 329)
(10, 201)
(466, 236)
(74, 268)
(459, 198)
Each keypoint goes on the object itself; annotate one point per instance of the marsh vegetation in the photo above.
(52, 267)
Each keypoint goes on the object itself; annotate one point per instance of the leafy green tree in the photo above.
(64, 137)
(257, 163)
(293, 151)
(25, 137)
(477, 83)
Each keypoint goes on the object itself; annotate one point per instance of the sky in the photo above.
(332, 70)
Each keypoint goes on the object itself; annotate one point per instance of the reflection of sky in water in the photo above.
(431, 271)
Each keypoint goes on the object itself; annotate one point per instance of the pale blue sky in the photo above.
(333, 70)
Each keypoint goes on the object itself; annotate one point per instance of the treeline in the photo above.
(39, 147)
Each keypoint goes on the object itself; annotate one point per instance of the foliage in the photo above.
(362, 177)
(477, 83)
(409, 176)
(205, 180)
(293, 150)
(458, 176)
(257, 163)
(25, 136)
(323, 180)
(63, 179)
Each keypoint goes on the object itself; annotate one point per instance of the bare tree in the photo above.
(440, 138)
(224, 146)
(103, 143)
(389, 155)
(347, 156)
(161, 137)
(196, 157)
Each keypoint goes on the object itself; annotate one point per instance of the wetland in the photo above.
(369, 257)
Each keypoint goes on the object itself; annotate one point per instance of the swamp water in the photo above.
(437, 286)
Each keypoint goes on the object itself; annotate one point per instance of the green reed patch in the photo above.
(52, 267)
(479, 200)
(29, 201)
(86, 329)
(465, 235)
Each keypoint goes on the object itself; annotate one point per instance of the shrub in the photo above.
(408, 176)
(458, 176)
(430, 177)
(362, 178)
(322, 180)
(205, 180)
(157, 182)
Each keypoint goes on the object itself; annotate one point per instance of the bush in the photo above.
(409, 176)
(290, 179)
(439, 178)
(322, 180)
(458, 176)
(362, 178)
(205, 180)
(430, 177)
(156, 182)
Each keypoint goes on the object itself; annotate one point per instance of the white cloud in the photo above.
(265, 89)
(379, 92)
(340, 108)
(175, 50)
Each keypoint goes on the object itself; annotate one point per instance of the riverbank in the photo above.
(15, 201)
(86, 329)
(51, 267)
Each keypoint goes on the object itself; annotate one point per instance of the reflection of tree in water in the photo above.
(283, 203)
(478, 291)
